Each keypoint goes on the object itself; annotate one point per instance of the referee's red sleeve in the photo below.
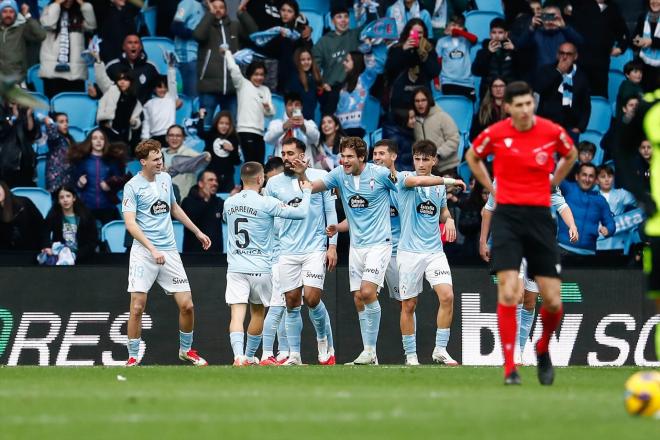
(564, 143)
(482, 145)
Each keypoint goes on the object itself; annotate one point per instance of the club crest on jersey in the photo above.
(358, 202)
(542, 158)
(508, 142)
(295, 202)
(427, 208)
(159, 208)
(393, 211)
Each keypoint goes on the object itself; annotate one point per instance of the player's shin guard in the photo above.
(550, 323)
(442, 338)
(526, 320)
(372, 318)
(185, 341)
(271, 323)
(253, 342)
(317, 315)
(409, 344)
(133, 348)
(506, 322)
(237, 340)
(294, 326)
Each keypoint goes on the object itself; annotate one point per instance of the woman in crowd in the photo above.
(70, 223)
(491, 109)
(21, 223)
(98, 174)
(222, 144)
(174, 147)
(58, 168)
(306, 81)
(62, 67)
(327, 155)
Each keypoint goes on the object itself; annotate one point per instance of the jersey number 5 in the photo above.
(239, 231)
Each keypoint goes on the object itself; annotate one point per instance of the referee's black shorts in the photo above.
(525, 231)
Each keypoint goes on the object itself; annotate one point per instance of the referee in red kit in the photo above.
(524, 148)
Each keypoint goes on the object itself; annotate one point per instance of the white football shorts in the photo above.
(528, 283)
(302, 270)
(368, 264)
(414, 266)
(392, 279)
(143, 271)
(244, 288)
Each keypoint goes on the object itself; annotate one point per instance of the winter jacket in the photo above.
(590, 209)
(441, 129)
(97, 169)
(144, 71)
(13, 40)
(24, 231)
(547, 42)
(329, 53)
(50, 47)
(17, 157)
(208, 218)
(502, 63)
(86, 234)
(108, 102)
(548, 82)
(58, 168)
(212, 70)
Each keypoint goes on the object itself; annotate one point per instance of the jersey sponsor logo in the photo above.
(159, 208)
(427, 208)
(318, 276)
(372, 270)
(358, 202)
(456, 54)
(542, 158)
(393, 178)
(441, 273)
(295, 202)
(393, 211)
(177, 281)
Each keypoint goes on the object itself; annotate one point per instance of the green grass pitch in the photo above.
(314, 402)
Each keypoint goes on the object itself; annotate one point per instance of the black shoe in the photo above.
(545, 371)
(513, 378)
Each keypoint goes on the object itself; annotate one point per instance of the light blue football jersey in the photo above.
(152, 203)
(557, 200)
(420, 209)
(395, 219)
(366, 201)
(298, 237)
(250, 219)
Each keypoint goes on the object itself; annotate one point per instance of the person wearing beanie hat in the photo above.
(17, 28)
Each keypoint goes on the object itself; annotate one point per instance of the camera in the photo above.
(548, 16)
(296, 113)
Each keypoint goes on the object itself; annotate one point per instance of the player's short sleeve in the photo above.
(332, 179)
(273, 206)
(557, 199)
(564, 142)
(385, 177)
(129, 201)
(401, 183)
(483, 144)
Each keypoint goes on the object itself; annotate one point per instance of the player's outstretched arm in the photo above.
(479, 170)
(423, 181)
(279, 209)
(564, 166)
(179, 214)
(299, 166)
(135, 231)
(484, 249)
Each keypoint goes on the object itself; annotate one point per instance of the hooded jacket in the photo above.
(108, 102)
(12, 42)
(441, 129)
(145, 73)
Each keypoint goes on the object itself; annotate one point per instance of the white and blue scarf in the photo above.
(65, 44)
(650, 55)
(399, 14)
(262, 38)
(439, 16)
(567, 88)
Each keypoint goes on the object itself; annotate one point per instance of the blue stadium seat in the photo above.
(490, 6)
(473, 52)
(43, 98)
(614, 82)
(478, 22)
(133, 167)
(316, 22)
(617, 63)
(595, 138)
(195, 143)
(113, 234)
(39, 196)
(178, 235)
(155, 47)
(459, 108)
(185, 111)
(601, 115)
(464, 173)
(376, 135)
(278, 103)
(77, 133)
(80, 108)
(149, 18)
(33, 78)
(41, 172)
(318, 6)
(370, 114)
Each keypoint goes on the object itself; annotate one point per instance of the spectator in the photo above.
(306, 81)
(626, 113)
(631, 86)
(605, 35)
(215, 87)
(293, 124)
(21, 224)
(327, 154)
(518, 18)
(18, 130)
(586, 153)
(360, 76)
(188, 15)
(133, 59)
(254, 104)
(70, 223)
(222, 144)
(204, 208)
(266, 13)
(17, 30)
(440, 11)
(58, 168)
(618, 199)
(62, 67)
(411, 63)
(117, 19)
(647, 41)
(119, 109)
(330, 53)
(402, 11)
(564, 92)
(98, 174)
(173, 147)
(160, 111)
(591, 213)
(545, 34)
(469, 220)
(491, 109)
(454, 56)
(497, 57)
(433, 124)
(642, 163)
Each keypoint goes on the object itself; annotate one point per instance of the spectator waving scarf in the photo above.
(262, 38)
(64, 51)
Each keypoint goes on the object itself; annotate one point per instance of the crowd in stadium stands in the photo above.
(218, 91)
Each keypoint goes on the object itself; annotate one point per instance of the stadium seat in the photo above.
(376, 135)
(41, 172)
(614, 82)
(478, 23)
(156, 48)
(133, 167)
(617, 63)
(318, 6)
(490, 6)
(473, 52)
(459, 108)
(149, 19)
(278, 103)
(178, 235)
(371, 114)
(316, 22)
(185, 111)
(464, 173)
(601, 115)
(39, 196)
(33, 79)
(77, 133)
(595, 138)
(43, 98)
(113, 234)
(80, 108)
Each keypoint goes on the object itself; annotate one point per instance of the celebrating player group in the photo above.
(283, 234)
